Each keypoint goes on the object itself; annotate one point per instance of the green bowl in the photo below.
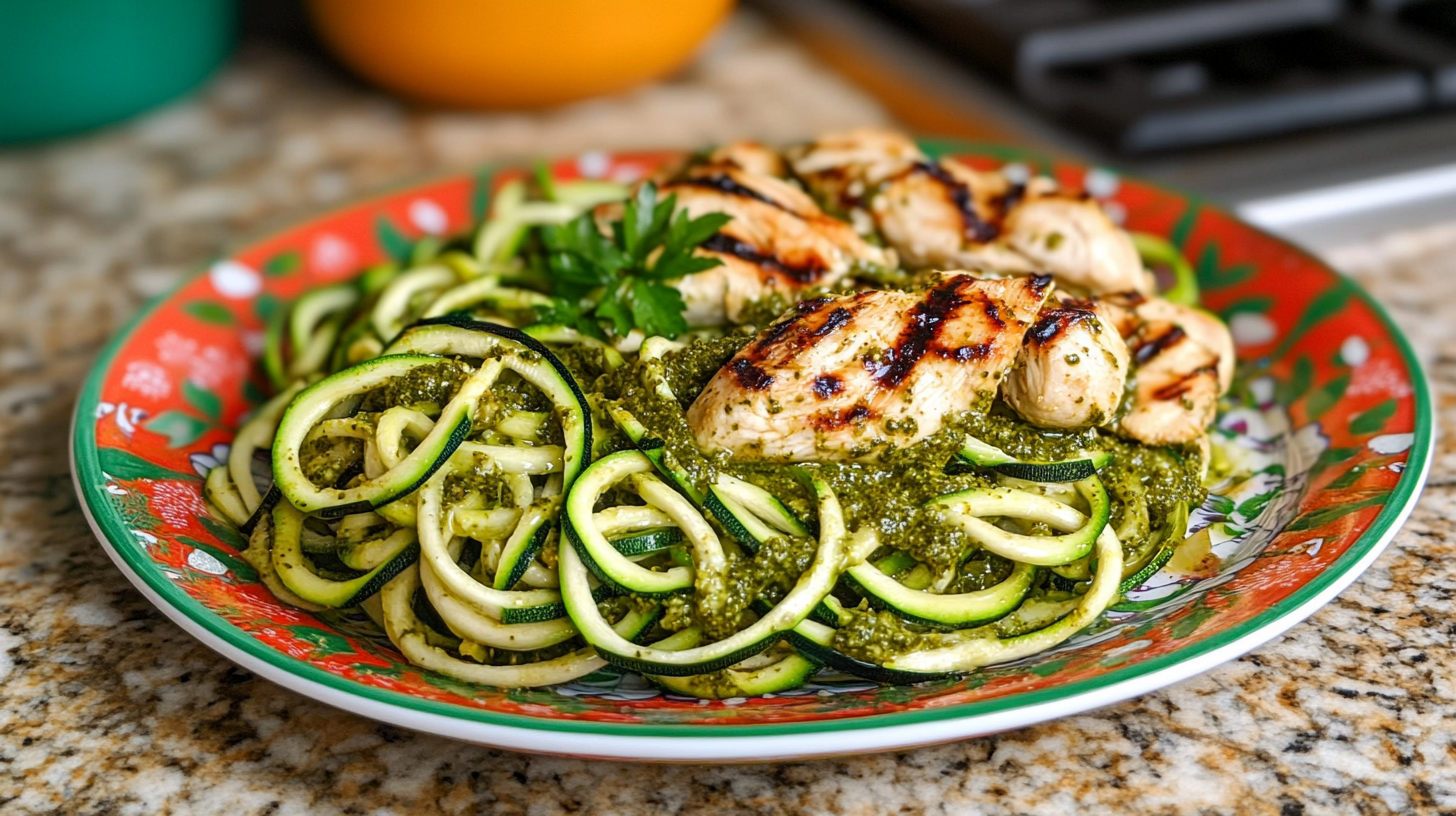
(71, 65)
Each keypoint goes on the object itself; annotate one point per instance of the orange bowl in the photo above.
(506, 53)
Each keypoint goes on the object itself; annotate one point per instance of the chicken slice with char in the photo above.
(844, 378)
(778, 243)
(1210, 332)
(751, 156)
(1183, 360)
(941, 214)
(1072, 370)
(945, 214)
(842, 169)
(1072, 239)
(1175, 386)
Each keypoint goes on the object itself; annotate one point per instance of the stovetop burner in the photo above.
(1150, 76)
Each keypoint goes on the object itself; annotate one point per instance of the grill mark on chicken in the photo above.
(993, 314)
(1158, 345)
(1174, 390)
(827, 386)
(965, 354)
(729, 245)
(1130, 300)
(852, 371)
(723, 184)
(776, 331)
(1055, 321)
(1013, 196)
(977, 228)
(835, 420)
(750, 376)
(801, 337)
(927, 320)
(833, 323)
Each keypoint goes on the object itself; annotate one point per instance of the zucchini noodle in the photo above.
(520, 503)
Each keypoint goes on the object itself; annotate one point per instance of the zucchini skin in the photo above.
(980, 454)
(290, 565)
(595, 551)
(582, 409)
(792, 671)
(741, 523)
(814, 640)
(834, 549)
(270, 501)
(516, 560)
(973, 653)
(649, 541)
(1046, 551)
(553, 610)
(959, 611)
(313, 403)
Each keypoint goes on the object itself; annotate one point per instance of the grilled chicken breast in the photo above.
(1072, 368)
(944, 214)
(779, 242)
(1074, 241)
(1175, 386)
(751, 156)
(843, 378)
(1205, 329)
(1183, 359)
(843, 169)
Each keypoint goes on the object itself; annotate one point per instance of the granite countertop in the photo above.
(106, 707)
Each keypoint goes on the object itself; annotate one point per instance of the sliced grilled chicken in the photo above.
(1072, 369)
(843, 378)
(751, 156)
(1071, 238)
(778, 243)
(945, 214)
(843, 169)
(1207, 330)
(1175, 386)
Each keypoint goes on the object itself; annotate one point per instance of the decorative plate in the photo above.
(1333, 415)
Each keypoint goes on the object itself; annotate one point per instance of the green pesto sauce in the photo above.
(686, 373)
(1160, 476)
(586, 363)
(511, 394)
(765, 310)
(325, 459)
(887, 495)
(427, 384)
(480, 479)
(878, 636)
(769, 575)
(982, 571)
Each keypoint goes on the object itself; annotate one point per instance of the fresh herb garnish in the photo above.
(617, 282)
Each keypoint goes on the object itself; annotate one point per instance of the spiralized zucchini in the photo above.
(456, 467)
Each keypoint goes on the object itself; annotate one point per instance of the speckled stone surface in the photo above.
(106, 707)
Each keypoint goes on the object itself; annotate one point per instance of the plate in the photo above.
(1331, 412)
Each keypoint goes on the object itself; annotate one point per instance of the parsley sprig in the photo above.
(614, 283)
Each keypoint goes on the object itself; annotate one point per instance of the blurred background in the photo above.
(146, 134)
